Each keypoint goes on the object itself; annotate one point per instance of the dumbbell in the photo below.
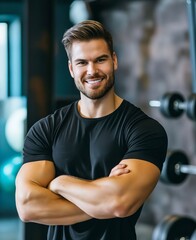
(176, 168)
(175, 227)
(173, 105)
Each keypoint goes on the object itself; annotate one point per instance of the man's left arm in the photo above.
(113, 196)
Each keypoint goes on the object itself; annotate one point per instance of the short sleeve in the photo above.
(37, 144)
(147, 140)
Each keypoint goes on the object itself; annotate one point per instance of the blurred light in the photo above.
(3, 60)
(15, 129)
(78, 11)
(7, 170)
(3, 35)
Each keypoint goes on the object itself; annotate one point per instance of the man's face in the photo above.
(92, 66)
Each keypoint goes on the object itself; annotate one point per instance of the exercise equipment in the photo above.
(176, 168)
(174, 227)
(8, 172)
(173, 105)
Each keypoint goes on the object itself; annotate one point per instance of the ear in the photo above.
(70, 68)
(115, 61)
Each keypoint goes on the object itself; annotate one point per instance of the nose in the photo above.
(91, 69)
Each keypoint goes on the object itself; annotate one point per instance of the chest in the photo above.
(88, 151)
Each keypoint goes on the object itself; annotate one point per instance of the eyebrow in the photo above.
(101, 56)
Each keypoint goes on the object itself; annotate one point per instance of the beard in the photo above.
(97, 93)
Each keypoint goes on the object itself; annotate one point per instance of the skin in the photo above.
(36, 203)
(42, 198)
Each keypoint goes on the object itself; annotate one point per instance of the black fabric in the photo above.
(89, 149)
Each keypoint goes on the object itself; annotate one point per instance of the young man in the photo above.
(89, 167)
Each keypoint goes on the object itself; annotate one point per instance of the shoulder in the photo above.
(39, 139)
(55, 118)
(132, 112)
(48, 126)
(142, 128)
(135, 117)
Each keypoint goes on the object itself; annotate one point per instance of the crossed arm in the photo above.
(36, 203)
(67, 200)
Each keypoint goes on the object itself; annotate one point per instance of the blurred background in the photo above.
(154, 42)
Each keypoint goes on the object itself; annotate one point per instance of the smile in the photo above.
(94, 81)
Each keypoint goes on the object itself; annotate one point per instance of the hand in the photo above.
(119, 169)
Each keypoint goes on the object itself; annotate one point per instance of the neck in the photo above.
(97, 108)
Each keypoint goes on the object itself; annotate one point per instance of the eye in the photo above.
(81, 63)
(101, 60)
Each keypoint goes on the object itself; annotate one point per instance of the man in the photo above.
(89, 167)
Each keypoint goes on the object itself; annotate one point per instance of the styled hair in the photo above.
(85, 31)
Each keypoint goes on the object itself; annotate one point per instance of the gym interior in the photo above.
(155, 41)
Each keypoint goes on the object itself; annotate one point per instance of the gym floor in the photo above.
(12, 229)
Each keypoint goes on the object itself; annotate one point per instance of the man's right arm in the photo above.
(36, 203)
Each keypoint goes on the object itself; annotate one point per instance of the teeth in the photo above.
(93, 81)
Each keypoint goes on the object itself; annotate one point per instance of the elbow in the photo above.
(23, 212)
(122, 212)
(23, 208)
(125, 208)
(23, 216)
(24, 202)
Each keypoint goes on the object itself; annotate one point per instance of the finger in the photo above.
(119, 171)
(119, 166)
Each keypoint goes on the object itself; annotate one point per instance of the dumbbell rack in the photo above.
(175, 226)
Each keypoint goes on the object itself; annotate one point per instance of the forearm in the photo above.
(99, 198)
(40, 205)
(113, 196)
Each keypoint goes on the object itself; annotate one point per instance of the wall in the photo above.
(152, 43)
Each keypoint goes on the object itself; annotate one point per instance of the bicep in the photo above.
(116, 196)
(39, 172)
(133, 188)
(140, 181)
(36, 203)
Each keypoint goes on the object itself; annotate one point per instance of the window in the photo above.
(10, 58)
(3, 60)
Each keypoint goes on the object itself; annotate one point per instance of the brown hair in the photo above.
(85, 31)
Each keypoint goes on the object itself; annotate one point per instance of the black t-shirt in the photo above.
(89, 149)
